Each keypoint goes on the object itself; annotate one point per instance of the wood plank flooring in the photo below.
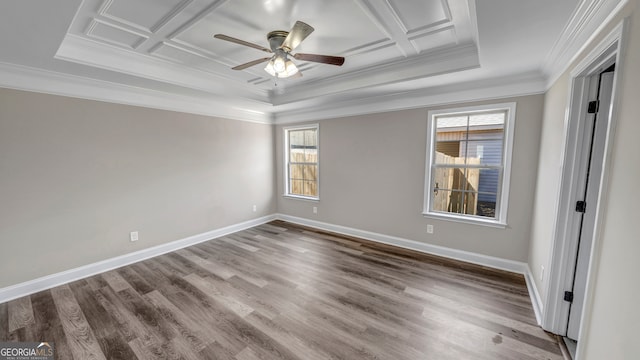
(281, 291)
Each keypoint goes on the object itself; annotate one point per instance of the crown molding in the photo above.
(44, 81)
(113, 58)
(444, 61)
(50, 82)
(586, 22)
(489, 89)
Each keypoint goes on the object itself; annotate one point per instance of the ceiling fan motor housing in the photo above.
(276, 38)
(281, 44)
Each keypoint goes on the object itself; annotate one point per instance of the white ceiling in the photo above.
(399, 53)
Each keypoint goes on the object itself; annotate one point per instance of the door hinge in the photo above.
(568, 296)
(581, 206)
(593, 107)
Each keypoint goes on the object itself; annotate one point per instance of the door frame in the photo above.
(592, 158)
(565, 236)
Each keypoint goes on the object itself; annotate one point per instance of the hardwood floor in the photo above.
(281, 291)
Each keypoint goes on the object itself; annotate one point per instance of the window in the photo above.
(301, 158)
(468, 163)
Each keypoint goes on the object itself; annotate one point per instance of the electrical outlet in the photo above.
(429, 229)
(255, 208)
(315, 209)
(541, 272)
(133, 236)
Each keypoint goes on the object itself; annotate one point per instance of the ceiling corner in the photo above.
(585, 23)
(26, 78)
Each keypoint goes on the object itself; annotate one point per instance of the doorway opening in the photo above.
(592, 149)
(589, 128)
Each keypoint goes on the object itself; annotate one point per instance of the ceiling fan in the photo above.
(281, 44)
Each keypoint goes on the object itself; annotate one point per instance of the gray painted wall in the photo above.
(612, 319)
(372, 170)
(76, 176)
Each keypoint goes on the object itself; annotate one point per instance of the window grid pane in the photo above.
(302, 169)
(467, 163)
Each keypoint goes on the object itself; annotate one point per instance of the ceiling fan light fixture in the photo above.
(282, 43)
(279, 64)
(282, 69)
(270, 68)
(290, 69)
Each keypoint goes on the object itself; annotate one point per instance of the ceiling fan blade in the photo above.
(250, 64)
(241, 42)
(298, 32)
(325, 59)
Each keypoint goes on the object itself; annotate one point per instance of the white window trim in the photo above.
(502, 203)
(286, 161)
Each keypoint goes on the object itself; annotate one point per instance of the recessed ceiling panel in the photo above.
(114, 35)
(162, 52)
(147, 15)
(339, 26)
(369, 57)
(433, 40)
(174, 54)
(416, 16)
(198, 61)
(172, 41)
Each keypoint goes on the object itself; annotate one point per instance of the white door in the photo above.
(594, 146)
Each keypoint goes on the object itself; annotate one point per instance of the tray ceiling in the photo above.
(172, 41)
(399, 53)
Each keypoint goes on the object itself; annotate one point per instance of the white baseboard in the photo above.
(478, 259)
(49, 281)
(536, 301)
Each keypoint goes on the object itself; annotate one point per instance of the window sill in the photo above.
(298, 197)
(466, 220)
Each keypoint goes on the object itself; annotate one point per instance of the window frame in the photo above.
(286, 131)
(504, 183)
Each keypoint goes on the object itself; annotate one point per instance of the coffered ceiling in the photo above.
(161, 53)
